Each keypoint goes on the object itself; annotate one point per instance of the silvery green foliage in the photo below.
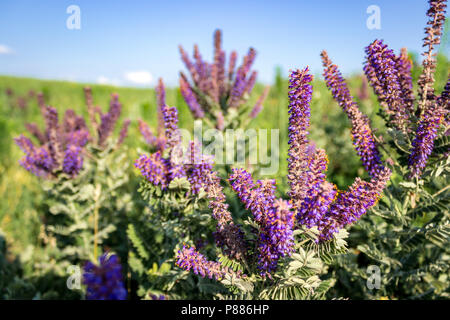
(172, 217)
(407, 235)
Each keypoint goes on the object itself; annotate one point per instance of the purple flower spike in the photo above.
(362, 135)
(274, 216)
(381, 69)
(215, 87)
(299, 113)
(426, 133)
(190, 259)
(109, 120)
(73, 161)
(154, 168)
(104, 281)
(191, 100)
(173, 137)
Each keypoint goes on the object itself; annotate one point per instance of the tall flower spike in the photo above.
(241, 83)
(197, 168)
(320, 193)
(433, 32)
(146, 132)
(73, 161)
(426, 133)
(154, 169)
(232, 65)
(219, 62)
(381, 68)
(299, 113)
(363, 93)
(362, 135)
(353, 203)
(104, 281)
(259, 104)
(53, 134)
(277, 239)
(35, 131)
(404, 65)
(41, 103)
(216, 88)
(109, 120)
(191, 100)
(123, 132)
(170, 115)
(228, 235)
(90, 107)
(161, 101)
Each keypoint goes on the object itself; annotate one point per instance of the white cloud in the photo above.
(108, 81)
(139, 77)
(5, 49)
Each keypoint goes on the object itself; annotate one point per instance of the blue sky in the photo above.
(119, 39)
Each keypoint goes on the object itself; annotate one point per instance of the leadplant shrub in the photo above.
(406, 237)
(278, 252)
(219, 94)
(84, 176)
(172, 189)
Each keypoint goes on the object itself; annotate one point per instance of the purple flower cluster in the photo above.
(36, 160)
(191, 100)
(190, 259)
(104, 124)
(62, 143)
(423, 143)
(390, 77)
(299, 113)
(229, 237)
(104, 281)
(158, 143)
(217, 88)
(362, 135)
(433, 110)
(108, 120)
(61, 146)
(159, 170)
(404, 65)
(154, 169)
(351, 204)
(259, 104)
(197, 168)
(274, 216)
(316, 202)
(170, 116)
(382, 68)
